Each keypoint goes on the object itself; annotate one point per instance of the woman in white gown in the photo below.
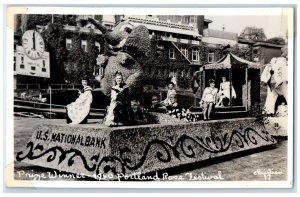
(224, 92)
(78, 111)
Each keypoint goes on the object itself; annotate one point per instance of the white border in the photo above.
(142, 11)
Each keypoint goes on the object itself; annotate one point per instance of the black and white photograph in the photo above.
(196, 98)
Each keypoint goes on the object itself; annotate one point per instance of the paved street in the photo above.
(245, 167)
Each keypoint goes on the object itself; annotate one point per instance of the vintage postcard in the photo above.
(149, 98)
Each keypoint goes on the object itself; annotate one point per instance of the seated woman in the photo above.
(224, 92)
(173, 109)
(78, 111)
(209, 99)
(119, 111)
(171, 90)
(172, 102)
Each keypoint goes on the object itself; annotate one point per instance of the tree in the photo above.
(78, 64)
(37, 19)
(253, 33)
(184, 82)
(276, 40)
(54, 37)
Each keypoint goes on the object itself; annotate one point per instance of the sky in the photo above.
(273, 25)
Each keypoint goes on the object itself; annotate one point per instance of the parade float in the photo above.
(96, 150)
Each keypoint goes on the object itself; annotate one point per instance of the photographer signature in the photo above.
(267, 173)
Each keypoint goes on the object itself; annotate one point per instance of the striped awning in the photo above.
(231, 61)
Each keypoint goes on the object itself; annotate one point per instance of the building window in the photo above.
(84, 45)
(22, 63)
(97, 44)
(172, 53)
(43, 69)
(32, 67)
(193, 19)
(211, 57)
(69, 43)
(185, 20)
(195, 55)
(184, 51)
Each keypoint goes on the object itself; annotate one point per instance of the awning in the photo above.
(231, 61)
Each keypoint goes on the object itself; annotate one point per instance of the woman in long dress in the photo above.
(78, 111)
(119, 111)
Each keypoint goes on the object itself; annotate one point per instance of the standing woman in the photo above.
(119, 111)
(208, 100)
(78, 111)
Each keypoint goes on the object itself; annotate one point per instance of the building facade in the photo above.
(72, 45)
(180, 45)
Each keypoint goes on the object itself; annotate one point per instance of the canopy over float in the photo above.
(243, 75)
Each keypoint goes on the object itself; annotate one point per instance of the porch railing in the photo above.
(45, 87)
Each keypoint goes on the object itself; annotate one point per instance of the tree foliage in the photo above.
(65, 19)
(54, 38)
(81, 63)
(253, 33)
(240, 51)
(67, 65)
(184, 82)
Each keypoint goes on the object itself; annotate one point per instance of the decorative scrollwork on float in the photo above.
(127, 160)
(53, 154)
(183, 147)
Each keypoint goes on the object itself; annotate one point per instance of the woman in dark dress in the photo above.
(119, 111)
